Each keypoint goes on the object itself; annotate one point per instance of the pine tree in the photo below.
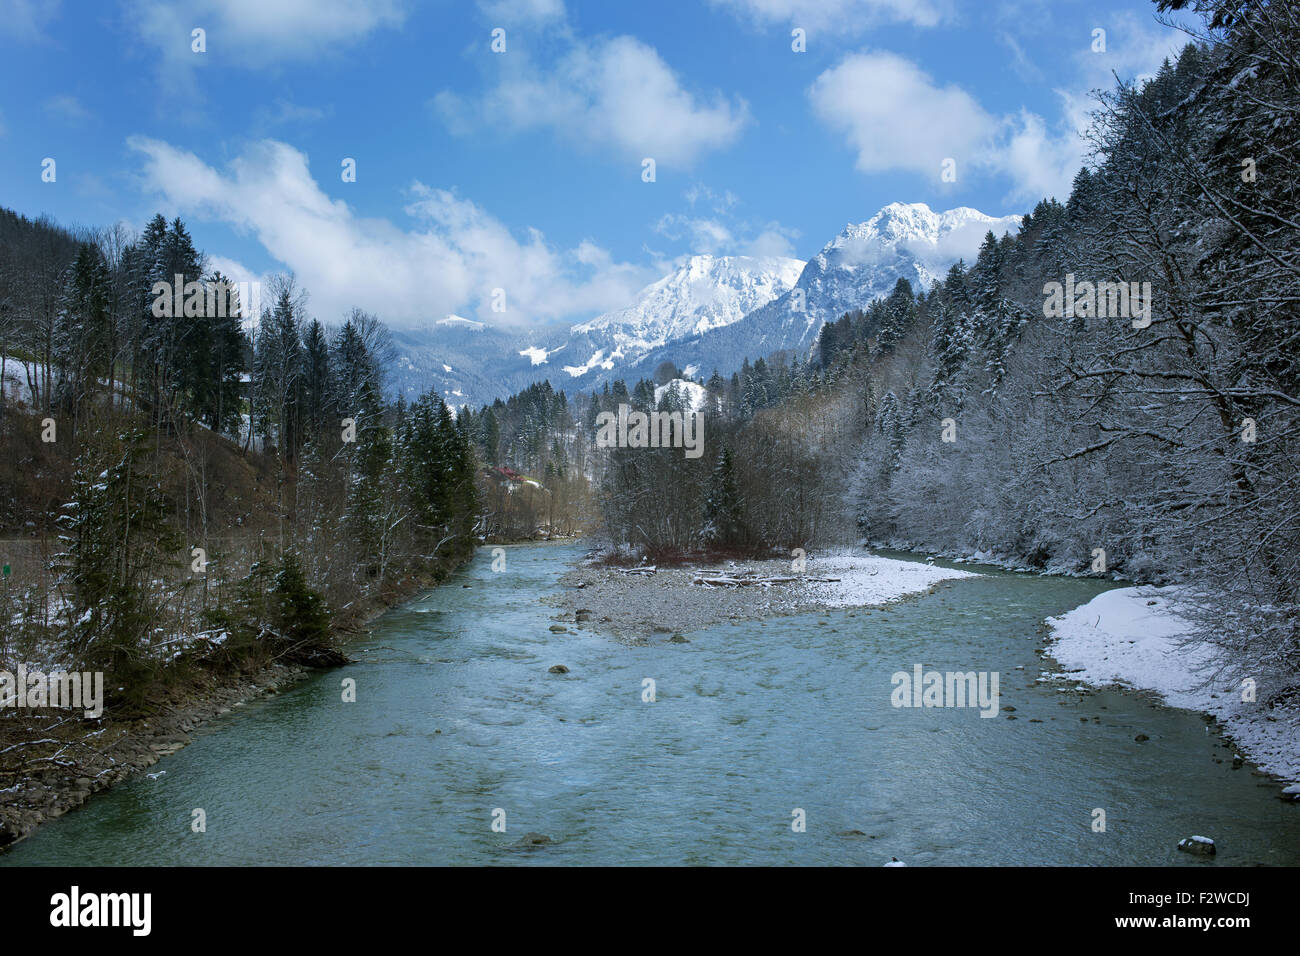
(723, 507)
(117, 541)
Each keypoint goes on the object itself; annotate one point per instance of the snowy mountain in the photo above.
(711, 312)
(904, 240)
(705, 293)
(468, 361)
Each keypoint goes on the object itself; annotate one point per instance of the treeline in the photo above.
(535, 479)
(185, 485)
(1165, 451)
(762, 481)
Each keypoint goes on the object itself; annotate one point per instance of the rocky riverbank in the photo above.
(635, 606)
(60, 760)
(74, 757)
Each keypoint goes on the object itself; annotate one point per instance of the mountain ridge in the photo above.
(710, 312)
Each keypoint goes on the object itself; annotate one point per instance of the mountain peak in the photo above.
(916, 226)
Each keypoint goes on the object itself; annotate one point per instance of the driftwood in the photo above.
(650, 570)
(745, 580)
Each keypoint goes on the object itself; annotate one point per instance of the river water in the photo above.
(457, 716)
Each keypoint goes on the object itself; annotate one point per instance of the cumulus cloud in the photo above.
(724, 232)
(615, 92)
(713, 236)
(898, 117)
(449, 261)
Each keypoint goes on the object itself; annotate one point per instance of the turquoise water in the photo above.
(456, 715)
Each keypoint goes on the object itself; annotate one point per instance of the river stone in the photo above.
(582, 614)
(678, 639)
(1197, 846)
(660, 629)
(1291, 793)
(559, 629)
(558, 669)
(529, 840)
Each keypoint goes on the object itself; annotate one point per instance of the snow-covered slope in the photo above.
(705, 293)
(1135, 636)
(902, 241)
(710, 313)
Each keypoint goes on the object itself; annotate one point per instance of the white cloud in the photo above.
(1039, 162)
(964, 241)
(897, 117)
(618, 93)
(774, 240)
(713, 236)
(701, 235)
(839, 16)
(449, 262)
(1135, 48)
(259, 33)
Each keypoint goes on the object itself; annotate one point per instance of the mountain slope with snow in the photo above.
(902, 241)
(711, 312)
(704, 294)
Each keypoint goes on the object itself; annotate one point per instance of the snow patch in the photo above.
(461, 321)
(695, 395)
(866, 579)
(1135, 637)
(537, 355)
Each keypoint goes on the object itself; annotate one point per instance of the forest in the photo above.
(181, 496)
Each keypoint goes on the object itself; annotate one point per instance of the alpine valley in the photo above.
(711, 313)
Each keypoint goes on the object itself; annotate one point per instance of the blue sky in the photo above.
(522, 169)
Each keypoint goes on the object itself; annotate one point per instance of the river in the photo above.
(456, 715)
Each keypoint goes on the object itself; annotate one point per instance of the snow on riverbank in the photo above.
(866, 579)
(1133, 636)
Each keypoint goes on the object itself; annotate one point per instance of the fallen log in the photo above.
(744, 581)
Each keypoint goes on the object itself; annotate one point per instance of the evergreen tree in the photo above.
(723, 508)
